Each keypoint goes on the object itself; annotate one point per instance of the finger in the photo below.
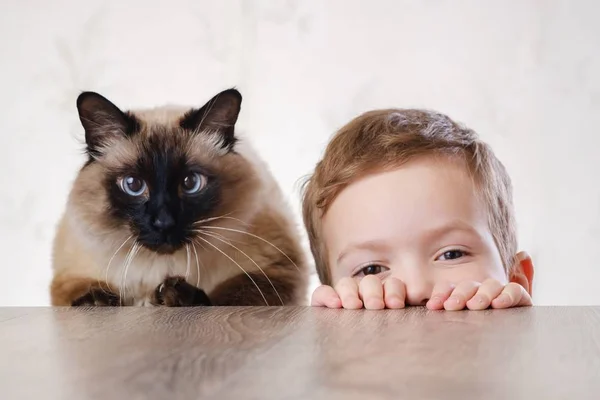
(325, 296)
(441, 292)
(370, 290)
(347, 290)
(488, 291)
(460, 295)
(394, 293)
(513, 295)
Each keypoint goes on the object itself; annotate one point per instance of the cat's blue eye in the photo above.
(133, 186)
(193, 183)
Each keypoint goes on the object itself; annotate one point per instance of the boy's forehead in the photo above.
(423, 194)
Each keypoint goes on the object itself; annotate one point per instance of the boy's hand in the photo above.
(476, 296)
(370, 293)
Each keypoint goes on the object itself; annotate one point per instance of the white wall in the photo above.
(524, 74)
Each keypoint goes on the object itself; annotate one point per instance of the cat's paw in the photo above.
(97, 297)
(175, 291)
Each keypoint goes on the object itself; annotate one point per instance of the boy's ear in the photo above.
(522, 271)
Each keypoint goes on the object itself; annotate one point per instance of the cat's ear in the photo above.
(103, 122)
(219, 114)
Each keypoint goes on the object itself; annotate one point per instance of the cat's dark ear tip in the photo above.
(86, 95)
(232, 92)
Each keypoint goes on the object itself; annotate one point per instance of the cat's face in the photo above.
(163, 194)
(157, 175)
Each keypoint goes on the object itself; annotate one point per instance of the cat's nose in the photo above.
(163, 220)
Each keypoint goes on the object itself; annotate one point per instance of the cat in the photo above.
(173, 208)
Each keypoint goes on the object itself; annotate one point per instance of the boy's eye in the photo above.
(372, 269)
(451, 255)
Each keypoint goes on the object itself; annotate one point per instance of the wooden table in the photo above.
(299, 353)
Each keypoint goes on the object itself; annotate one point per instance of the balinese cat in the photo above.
(173, 208)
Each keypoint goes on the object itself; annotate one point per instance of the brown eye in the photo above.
(452, 255)
(133, 186)
(193, 183)
(372, 269)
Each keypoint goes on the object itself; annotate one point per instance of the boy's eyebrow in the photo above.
(371, 245)
(454, 225)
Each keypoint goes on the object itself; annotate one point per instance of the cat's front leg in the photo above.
(273, 286)
(175, 291)
(71, 290)
(97, 297)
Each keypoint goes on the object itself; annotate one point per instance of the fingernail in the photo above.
(435, 303)
(453, 300)
(479, 299)
(395, 302)
(374, 304)
(503, 298)
(352, 303)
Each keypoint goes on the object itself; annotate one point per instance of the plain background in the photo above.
(524, 74)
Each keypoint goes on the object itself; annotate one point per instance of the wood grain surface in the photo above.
(299, 353)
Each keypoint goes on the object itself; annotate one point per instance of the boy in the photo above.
(407, 207)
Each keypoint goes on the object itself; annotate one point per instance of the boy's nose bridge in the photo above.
(418, 282)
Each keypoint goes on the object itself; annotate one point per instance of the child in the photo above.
(407, 207)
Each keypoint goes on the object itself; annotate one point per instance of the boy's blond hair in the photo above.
(386, 139)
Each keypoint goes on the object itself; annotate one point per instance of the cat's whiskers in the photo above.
(239, 266)
(123, 264)
(108, 266)
(132, 253)
(139, 247)
(225, 216)
(197, 266)
(254, 236)
(248, 257)
(187, 264)
(208, 220)
(220, 236)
